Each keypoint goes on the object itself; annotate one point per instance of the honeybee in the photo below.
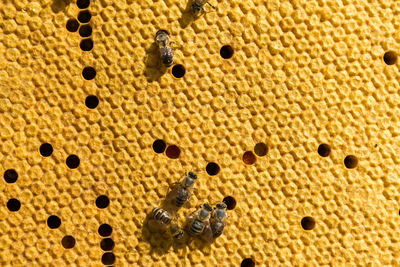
(218, 219)
(182, 191)
(175, 231)
(161, 220)
(163, 42)
(199, 220)
(198, 6)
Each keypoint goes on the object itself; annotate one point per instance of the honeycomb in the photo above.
(286, 108)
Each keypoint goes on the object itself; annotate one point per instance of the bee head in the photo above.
(205, 211)
(221, 206)
(192, 175)
(196, 7)
(189, 181)
(159, 32)
(207, 207)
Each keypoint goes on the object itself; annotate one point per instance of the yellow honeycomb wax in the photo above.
(293, 75)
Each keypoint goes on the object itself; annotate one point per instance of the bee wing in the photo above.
(187, 203)
(172, 194)
(191, 217)
(207, 234)
(156, 226)
(174, 189)
(169, 203)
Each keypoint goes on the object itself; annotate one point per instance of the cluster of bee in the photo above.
(206, 222)
(163, 39)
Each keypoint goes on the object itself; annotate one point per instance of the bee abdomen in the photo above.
(167, 55)
(217, 228)
(180, 201)
(161, 215)
(196, 227)
(181, 198)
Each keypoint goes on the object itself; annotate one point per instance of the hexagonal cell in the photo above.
(294, 73)
(86, 44)
(72, 25)
(82, 4)
(84, 16)
(85, 30)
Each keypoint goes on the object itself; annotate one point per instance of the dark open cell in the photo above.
(226, 51)
(324, 150)
(86, 44)
(89, 73)
(308, 223)
(82, 4)
(212, 168)
(350, 162)
(105, 230)
(248, 262)
(178, 71)
(53, 222)
(72, 25)
(73, 161)
(173, 152)
(102, 202)
(230, 202)
(46, 150)
(13, 204)
(91, 101)
(159, 146)
(390, 57)
(260, 149)
(249, 158)
(107, 244)
(10, 176)
(68, 242)
(108, 258)
(84, 16)
(85, 30)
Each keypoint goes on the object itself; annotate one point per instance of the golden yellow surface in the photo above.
(303, 73)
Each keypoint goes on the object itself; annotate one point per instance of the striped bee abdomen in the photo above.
(161, 215)
(196, 227)
(182, 197)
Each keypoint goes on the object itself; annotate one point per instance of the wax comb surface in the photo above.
(290, 75)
